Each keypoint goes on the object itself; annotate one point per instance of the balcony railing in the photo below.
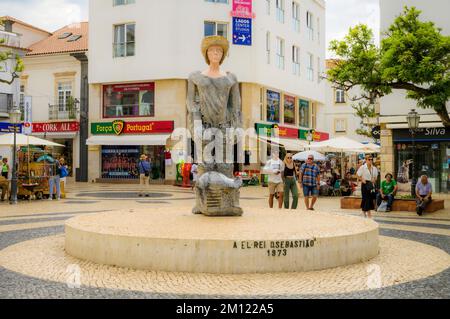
(10, 39)
(62, 112)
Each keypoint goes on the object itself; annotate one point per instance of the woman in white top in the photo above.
(368, 174)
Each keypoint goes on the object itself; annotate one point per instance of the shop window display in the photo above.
(129, 100)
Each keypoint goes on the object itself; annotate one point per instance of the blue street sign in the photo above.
(9, 128)
(242, 31)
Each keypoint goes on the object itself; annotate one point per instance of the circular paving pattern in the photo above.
(400, 261)
(258, 242)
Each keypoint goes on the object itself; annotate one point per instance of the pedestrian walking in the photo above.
(274, 168)
(145, 168)
(290, 183)
(54, 180)
(368, 175)
(64, 169)
(310, 182)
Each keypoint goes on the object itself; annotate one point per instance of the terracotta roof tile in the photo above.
(9, 18)
(53, 44)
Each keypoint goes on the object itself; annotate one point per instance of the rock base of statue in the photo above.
(261, 241)
(217, 195)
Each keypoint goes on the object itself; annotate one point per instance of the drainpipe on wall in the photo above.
(81, 173)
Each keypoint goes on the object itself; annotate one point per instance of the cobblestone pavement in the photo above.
(33, 220)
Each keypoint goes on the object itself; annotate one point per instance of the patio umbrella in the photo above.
(21, 139)
(47, 158)
(341, 145)
(303, 156)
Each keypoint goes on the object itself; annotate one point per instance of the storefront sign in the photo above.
(120, 127)
(56, 127)
(317, 136)
(132, 87)
(9, 128)
(376, 132)
(263, 129)
(286, 132)
(242, 31)
(423, 134)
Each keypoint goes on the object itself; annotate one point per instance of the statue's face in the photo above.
(215, 54)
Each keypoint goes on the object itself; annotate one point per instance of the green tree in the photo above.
(414, 56)
(363, 110)
(9, 55)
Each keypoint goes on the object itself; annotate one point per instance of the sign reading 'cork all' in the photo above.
(120, 127)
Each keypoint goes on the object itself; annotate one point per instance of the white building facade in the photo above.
(142, 52)
(53, 79)
(433, 141)
(16, 36)
(338, 114)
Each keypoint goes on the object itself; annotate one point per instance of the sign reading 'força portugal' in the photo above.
(120, 127)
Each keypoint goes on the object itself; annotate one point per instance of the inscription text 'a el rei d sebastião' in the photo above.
(277, 248)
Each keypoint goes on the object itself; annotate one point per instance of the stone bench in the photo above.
(402, 205)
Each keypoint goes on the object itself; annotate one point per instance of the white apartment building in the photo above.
(338, 114)
(141, 53)
(55, 70)
(433, 141)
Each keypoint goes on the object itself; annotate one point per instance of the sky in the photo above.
(54, 14)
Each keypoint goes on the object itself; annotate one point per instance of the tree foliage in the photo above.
(414, 56)
(364, 110)
(18, 64)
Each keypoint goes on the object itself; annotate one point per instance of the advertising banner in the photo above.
(242, 9)
(242, 31)
(273, 106)
(27, 115)
(289, 109)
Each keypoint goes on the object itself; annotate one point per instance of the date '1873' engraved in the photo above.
(276, 248)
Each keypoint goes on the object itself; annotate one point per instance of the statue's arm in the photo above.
(193, 105)
(236, 106)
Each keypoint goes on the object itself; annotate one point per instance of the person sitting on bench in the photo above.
(4, 185)
(387, 191)
(423, 194)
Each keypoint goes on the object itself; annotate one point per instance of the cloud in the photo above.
(49, 15)
(343, 14)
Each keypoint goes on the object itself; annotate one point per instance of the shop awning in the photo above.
(156, 139)
(289, 144)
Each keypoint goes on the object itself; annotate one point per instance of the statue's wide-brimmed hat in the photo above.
(212, 41)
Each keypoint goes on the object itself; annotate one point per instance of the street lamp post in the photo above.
(413, 119)
(14, 116)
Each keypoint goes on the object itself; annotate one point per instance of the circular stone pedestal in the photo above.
(262, 241)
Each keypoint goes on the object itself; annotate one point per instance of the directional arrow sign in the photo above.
(242, 31)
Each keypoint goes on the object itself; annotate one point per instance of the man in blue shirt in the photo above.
(423, 194)
(310, 181)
